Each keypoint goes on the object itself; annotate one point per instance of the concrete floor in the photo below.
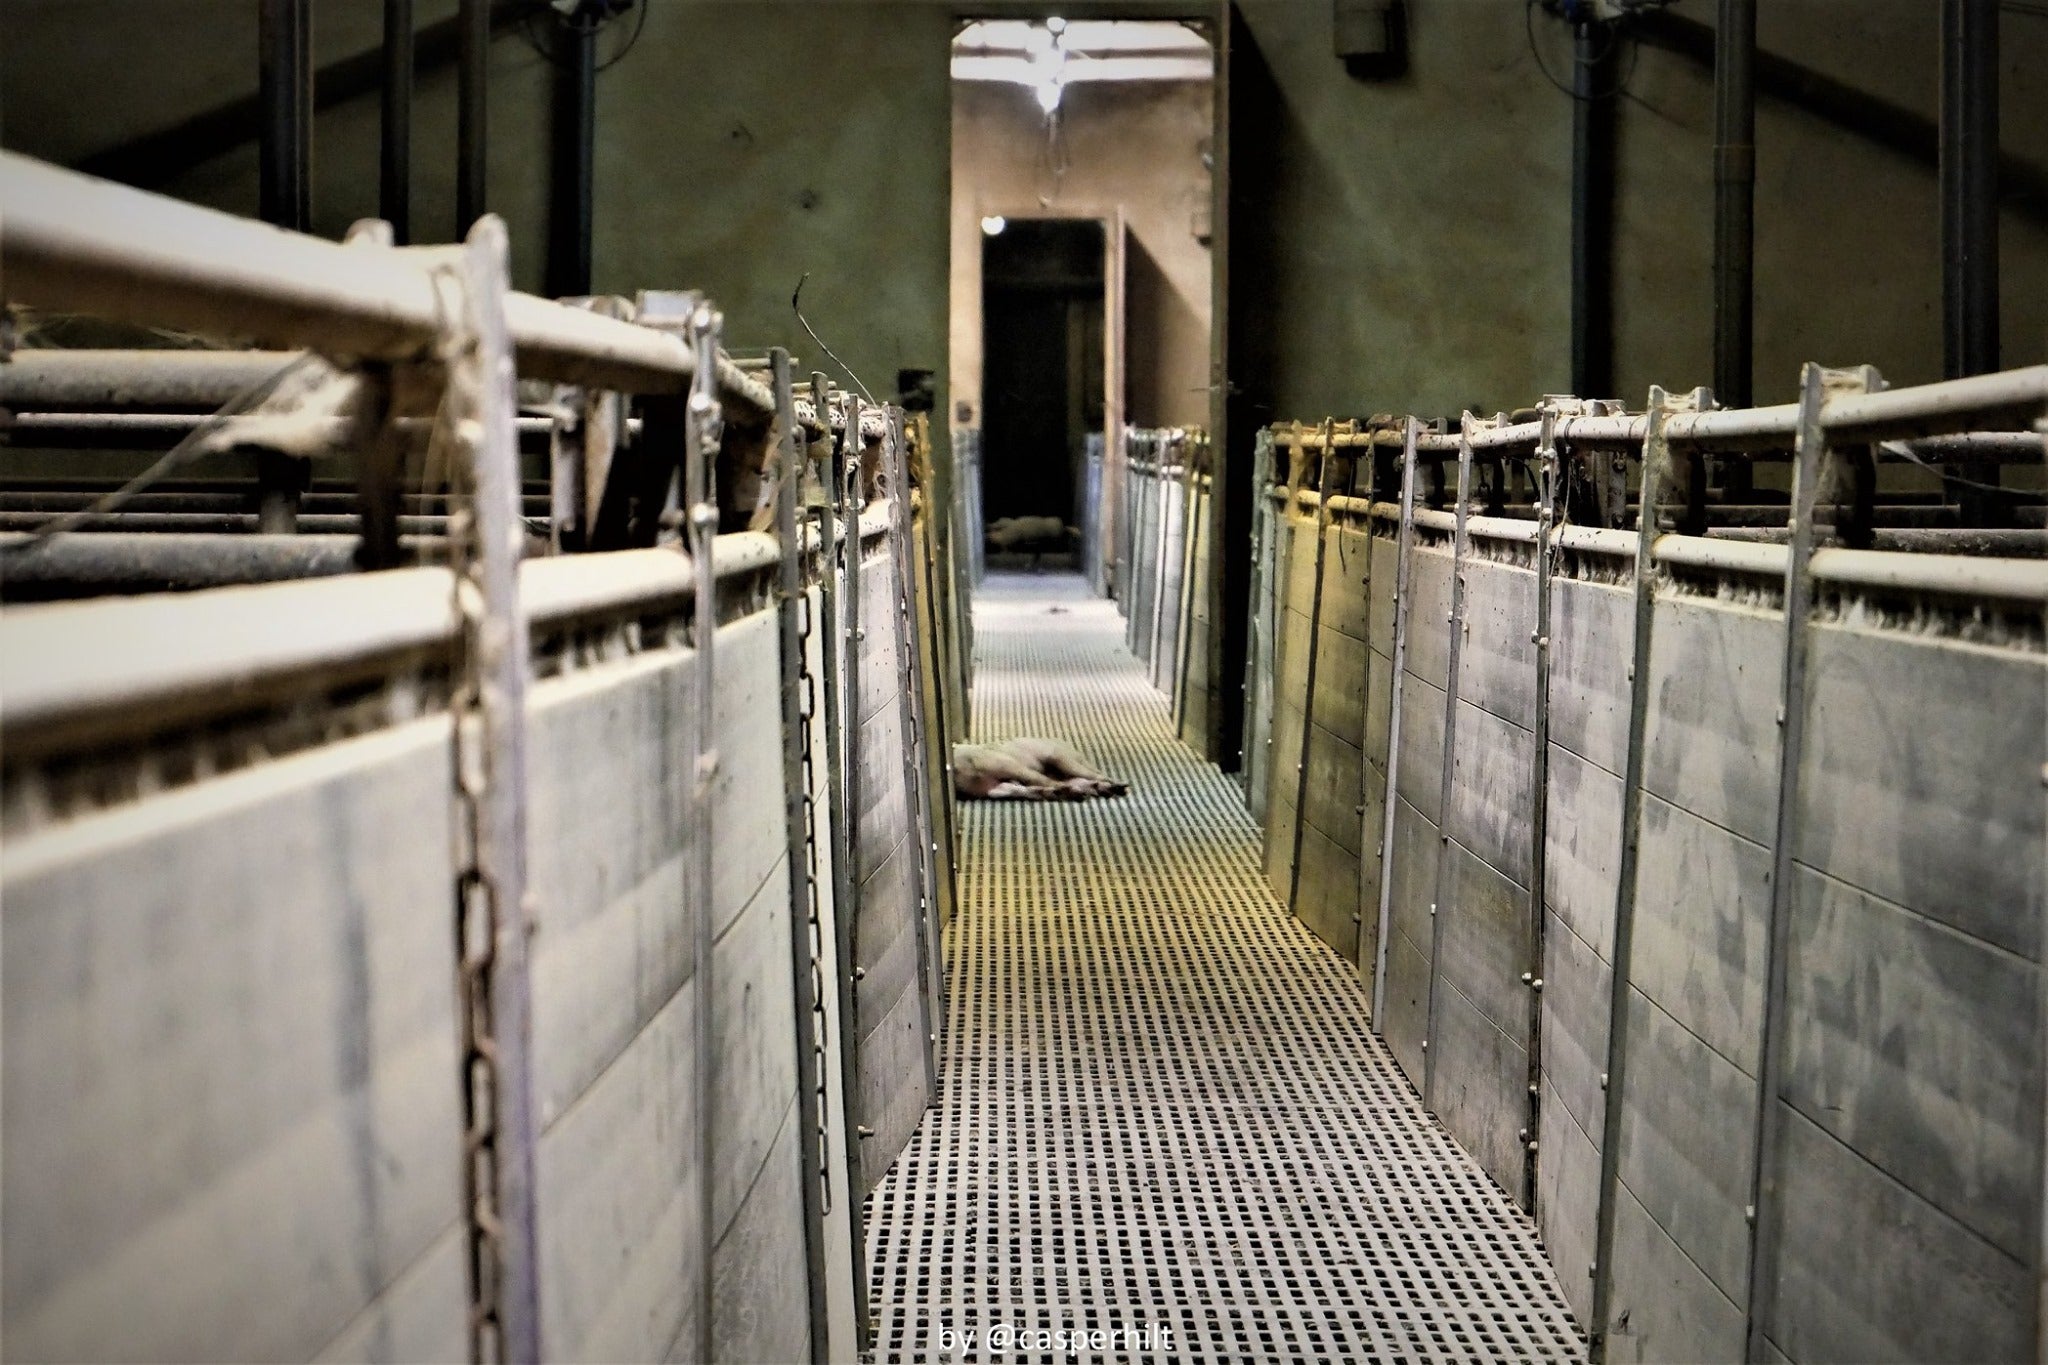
(1162, 1109)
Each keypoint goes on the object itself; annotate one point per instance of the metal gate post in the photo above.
(838, 800)
(1539, 790)
(493, 910)
(1456, 623)
(1613, 1081)
(1811, 471)
(702, 430)
(797, 809)
(1364, 892)
(1411, 432)
(1315, 639)
(910, 708)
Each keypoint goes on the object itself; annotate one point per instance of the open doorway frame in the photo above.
(1225, 409)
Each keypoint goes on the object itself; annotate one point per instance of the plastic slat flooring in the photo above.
(1161, 1104)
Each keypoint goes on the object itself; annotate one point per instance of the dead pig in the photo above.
(1028, 770)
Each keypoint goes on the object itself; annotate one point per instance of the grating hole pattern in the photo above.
(1161, 1104)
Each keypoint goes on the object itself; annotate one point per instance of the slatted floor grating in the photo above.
(1161, 1103)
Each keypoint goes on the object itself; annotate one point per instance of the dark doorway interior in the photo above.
(1043, 364)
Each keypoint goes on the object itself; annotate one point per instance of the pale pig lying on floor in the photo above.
(1028, 770)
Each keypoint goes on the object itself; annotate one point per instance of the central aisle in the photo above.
(1161, 1104)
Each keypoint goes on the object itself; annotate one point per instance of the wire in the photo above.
(165, 463)
(1614, 36)
(811, 332)
(570, 23)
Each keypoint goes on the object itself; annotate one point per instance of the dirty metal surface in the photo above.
(1161, 1104)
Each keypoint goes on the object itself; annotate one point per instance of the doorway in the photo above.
(1043, 379)
(1082, 276)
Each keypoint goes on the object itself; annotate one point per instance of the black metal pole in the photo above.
(472, 91)
(1734, 201)
(394, 191)
(285, 86)
(1969, 185)
(574, 164)
(1592, 325)
(1968, 171)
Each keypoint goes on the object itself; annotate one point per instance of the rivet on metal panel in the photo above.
(860, 973)
(1527, 977)
(863, 1131)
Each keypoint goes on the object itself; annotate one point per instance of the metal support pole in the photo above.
(797, 809)
(1406, 544)
(1734, 202)
(1656, 461)
(472, 139)
(285, 38)
(1968, 174)
(1811, 474)
(1969, 186)
(1593, 127)
(1456, 624)
(573, 166)
(394, 160)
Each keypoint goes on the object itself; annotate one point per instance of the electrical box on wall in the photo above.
(1371, 36)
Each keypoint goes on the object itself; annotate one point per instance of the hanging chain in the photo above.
(476, 899)
(807, 711)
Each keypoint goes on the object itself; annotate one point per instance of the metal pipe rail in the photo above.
(75, 244)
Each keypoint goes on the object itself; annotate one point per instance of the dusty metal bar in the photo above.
(1970, 576)
(796, 796)
(1656, 457)
(1456, 631)
(72, 244)
(1809, 477)
(210, 652)
(2009, 399)
(131, 562)
(1411, 431)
